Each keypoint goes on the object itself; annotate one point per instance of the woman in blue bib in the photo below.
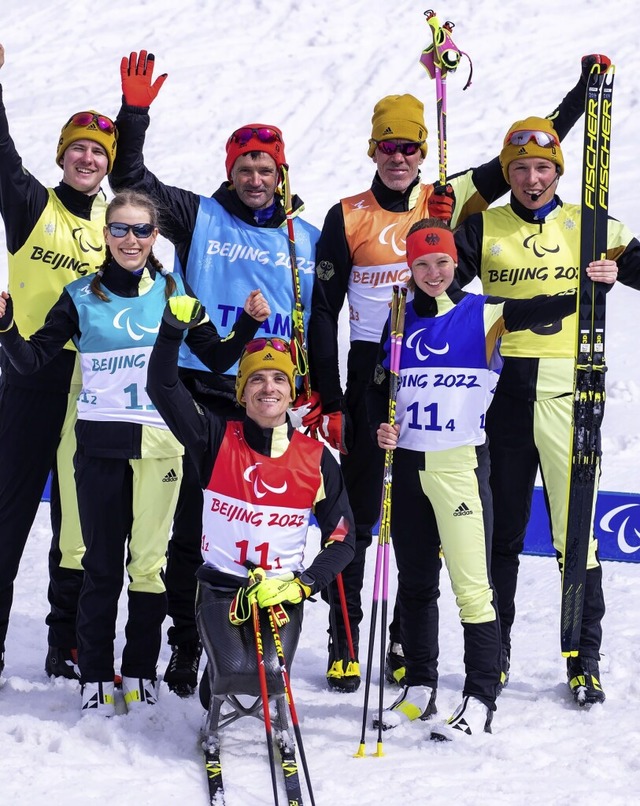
(441, 499)
(128, 464)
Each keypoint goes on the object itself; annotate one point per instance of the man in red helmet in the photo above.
(226, 245)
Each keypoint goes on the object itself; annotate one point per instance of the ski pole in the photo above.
(397, 300)
(298, 341)
(385, 517)
(439, 58)
(333, 619)
(345, 618)
(299, 352)
(289, 695)
(264, 693)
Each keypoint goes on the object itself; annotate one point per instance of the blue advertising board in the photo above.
(617, 526)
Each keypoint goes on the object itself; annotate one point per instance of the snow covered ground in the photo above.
(316, 71)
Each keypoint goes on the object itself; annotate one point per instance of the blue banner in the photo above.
(617, 526)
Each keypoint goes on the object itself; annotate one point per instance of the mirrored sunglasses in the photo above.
(390, 147)
(85, 119)
(139, 230)
(543, 139)
(255, 345)
(263, 134)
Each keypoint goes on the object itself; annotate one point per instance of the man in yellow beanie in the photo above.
(529, 423)
(360, 255)
(261, 479)
(398, 117)
(88, 129)
(54, 235)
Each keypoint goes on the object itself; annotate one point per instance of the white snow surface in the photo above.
(316, 70)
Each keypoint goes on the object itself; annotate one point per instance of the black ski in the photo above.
(589, 388)
(213, 769)
(289, 765)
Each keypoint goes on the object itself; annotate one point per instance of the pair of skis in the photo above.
(286, 746)
(288, 764)
(589, 387)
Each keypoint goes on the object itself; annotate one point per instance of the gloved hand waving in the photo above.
(136, 73)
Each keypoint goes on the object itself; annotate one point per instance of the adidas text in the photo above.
(171, 476)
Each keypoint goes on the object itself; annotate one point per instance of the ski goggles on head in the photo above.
(255, 345)
(85, 119)
(139, 230)
(390, 147)
(543, 139)
(263, 134)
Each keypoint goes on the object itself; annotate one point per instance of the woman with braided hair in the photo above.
(127, 464)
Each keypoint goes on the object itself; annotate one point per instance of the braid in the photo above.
(96, 287)
(170, 286)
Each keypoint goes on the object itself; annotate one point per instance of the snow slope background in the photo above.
(316, 70)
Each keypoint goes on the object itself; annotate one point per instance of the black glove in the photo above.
(6, 320)
(442, 202)
(183, 312)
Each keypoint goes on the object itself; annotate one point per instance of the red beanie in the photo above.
(428, 241)
(255, 137)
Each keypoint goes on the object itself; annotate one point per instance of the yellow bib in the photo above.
(60, 248)
(521, 260)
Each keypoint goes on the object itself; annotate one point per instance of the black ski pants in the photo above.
(525, 436)
(31, 420)
(441, 504)
(126, 510)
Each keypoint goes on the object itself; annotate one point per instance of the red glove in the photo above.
(442, 202)
(594, 58)
(306, 412)
(136, 73)
(333, 428)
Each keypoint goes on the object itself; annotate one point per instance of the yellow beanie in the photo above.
(511, 152)
(265, 357)
(94, 130)
(398, 117)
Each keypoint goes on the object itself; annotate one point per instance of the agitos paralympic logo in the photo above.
(60, 260)
(260, 486)
(388, 238)
(619, 521)
(417, 343)
(123, 322)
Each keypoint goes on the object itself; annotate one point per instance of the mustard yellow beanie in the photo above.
(98, 128)
(530, 148)
(257, 356)
(398, 117)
